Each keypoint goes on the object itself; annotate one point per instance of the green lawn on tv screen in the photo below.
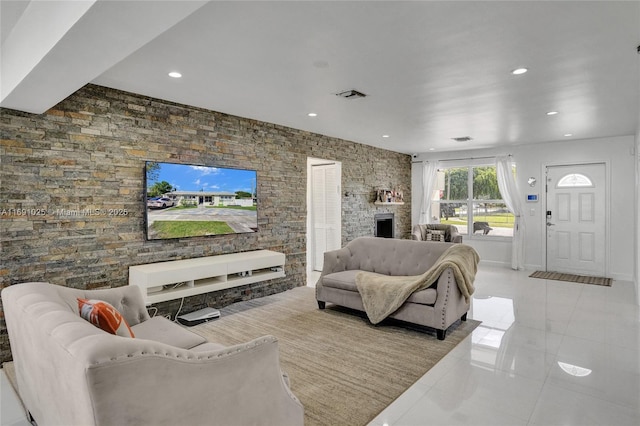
(181, 229)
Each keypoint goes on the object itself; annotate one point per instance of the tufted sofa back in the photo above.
(393, 256)
(49, 341)
(127, 300)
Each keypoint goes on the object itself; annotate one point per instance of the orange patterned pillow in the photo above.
(104, 316)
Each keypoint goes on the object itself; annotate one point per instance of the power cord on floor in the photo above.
(179, 309)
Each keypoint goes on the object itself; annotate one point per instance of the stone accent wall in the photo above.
(88, 153)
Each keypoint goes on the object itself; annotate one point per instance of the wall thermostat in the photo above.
(532, 198)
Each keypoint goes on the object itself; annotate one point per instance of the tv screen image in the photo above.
(187, 200)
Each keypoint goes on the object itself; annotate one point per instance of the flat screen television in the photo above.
(187, 200)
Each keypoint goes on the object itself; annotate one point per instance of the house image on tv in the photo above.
(219, 199)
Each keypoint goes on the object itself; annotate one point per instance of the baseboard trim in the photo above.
(621, 277)
(494, 263)
(530, 267)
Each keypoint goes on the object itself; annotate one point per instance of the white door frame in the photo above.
(607, 209)
(310, 219)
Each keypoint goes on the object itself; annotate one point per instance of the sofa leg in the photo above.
(321, 304)
(464, 317)
(441, 334)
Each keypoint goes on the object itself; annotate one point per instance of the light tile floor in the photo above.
(11, 411)
(546, 353)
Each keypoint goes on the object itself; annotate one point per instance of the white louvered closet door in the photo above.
(325, 211)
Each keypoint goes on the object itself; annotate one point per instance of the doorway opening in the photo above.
(324, 212)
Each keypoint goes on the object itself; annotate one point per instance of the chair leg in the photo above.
(321, 304)
(464, 317)
(441, 334)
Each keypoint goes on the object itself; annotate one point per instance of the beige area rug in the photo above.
(344, 370)
(582, 279)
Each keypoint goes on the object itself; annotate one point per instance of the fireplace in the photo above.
(385, 225)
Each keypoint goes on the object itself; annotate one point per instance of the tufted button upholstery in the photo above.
(438, 306)
(106, 378)
(396, 258)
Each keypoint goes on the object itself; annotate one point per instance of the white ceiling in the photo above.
(432, 70)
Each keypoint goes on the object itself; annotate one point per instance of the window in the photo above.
(468, 197)
(575, 180)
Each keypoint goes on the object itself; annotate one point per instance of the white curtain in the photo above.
(511, 197)
(429, 179)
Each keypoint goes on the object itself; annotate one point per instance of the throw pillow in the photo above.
(433, 235)
(104, 316)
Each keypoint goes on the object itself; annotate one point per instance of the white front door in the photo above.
(576, 223)
(325, 211)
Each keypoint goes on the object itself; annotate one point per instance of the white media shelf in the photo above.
(181, 278)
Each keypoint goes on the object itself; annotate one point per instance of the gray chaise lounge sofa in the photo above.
(70, 372)
(438, 306)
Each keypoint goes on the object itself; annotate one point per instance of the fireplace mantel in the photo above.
(386, 203)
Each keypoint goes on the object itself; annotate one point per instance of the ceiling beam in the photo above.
(55, 48)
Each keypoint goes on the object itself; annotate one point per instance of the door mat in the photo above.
(582, 279)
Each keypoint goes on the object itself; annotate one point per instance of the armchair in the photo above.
(451, 234)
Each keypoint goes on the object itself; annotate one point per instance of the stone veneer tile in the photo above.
(88, 152)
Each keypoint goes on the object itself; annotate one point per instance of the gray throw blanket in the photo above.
(383, 294)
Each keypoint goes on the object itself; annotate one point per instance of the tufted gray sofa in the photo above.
(70, 372)
(438, 306)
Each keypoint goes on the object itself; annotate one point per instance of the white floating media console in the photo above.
(181, 278)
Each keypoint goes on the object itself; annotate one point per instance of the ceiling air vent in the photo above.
(463, 139)
(351, 94)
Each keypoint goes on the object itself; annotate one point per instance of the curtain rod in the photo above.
(468, 158)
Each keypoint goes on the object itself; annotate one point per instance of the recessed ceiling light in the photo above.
(312, 114)
(519, 71)
(175, 74)
(552, 112)
(568, 134)
(385, 136)
(463, 139)
(432, 149)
